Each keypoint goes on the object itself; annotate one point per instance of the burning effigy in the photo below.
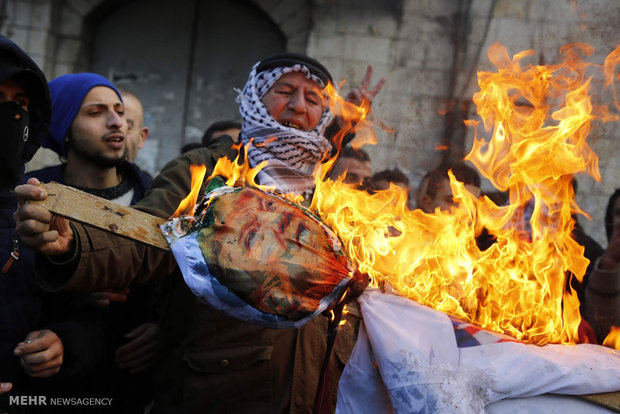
(259, 258)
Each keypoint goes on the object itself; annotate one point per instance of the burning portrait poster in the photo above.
(255, 256)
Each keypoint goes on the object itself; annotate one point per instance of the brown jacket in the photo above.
(207, 362)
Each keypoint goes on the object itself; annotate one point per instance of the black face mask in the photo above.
(15, 133)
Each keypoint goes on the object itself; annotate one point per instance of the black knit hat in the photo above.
(290, 59)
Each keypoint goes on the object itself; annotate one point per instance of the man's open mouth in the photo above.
(291, 125)
(114, 138)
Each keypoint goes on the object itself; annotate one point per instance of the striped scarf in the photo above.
(291, 154)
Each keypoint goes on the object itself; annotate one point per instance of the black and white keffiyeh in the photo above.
(291, 154)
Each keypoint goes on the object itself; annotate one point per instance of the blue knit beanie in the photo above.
(68, 93)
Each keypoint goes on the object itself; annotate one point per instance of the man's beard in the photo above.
(100, 160)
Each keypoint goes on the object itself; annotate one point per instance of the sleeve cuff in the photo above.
(53, 273)
(604, 282)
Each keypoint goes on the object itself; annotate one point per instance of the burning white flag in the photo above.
(411, 358)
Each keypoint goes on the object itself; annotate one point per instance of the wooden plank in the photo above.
(609, 400)
(103, 214)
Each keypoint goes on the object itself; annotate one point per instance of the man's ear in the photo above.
(144, 134)
(426, 203)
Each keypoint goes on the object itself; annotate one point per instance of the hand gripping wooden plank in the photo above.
(103, 214)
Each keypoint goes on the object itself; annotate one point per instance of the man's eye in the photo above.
(252, 236)
(94, 113)
(23, 103)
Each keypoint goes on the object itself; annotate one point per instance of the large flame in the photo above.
(538, 118)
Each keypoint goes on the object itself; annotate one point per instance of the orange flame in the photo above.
(238, 173)
(613, 338)
(186, 207)
(352, 118)
(611, 63)
(539, 118)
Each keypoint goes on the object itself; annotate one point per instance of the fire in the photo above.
(613, 338)
(537, 119)
(238, 173)
(352, 117)
(187, 204)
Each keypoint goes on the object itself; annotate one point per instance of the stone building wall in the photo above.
(427, 50)
(413, 47)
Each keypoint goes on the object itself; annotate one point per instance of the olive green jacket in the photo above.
(207, 362)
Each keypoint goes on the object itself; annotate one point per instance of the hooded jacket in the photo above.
(24, 307)
(20, 304)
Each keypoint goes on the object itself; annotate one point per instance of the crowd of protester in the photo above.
(86, 313)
